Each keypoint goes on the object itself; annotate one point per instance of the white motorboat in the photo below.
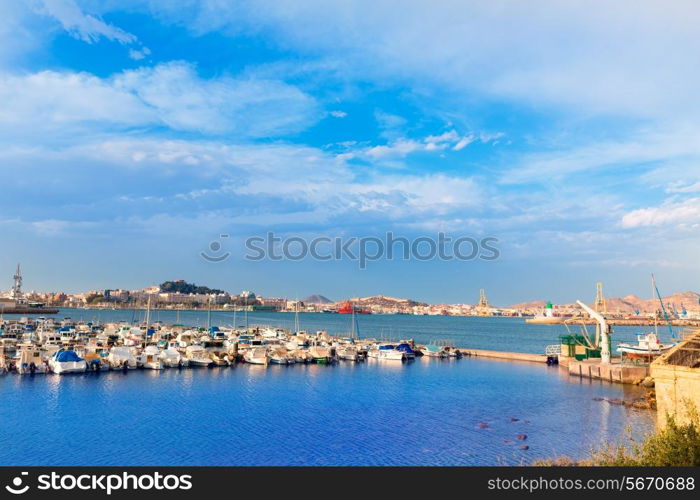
(150, 358)
(321, 354)
(278, 356)
(434, 351)
(29, 360)
(386, 351)
(66, 362)
(301, 356)
(348, 353)
(171, 358)
(256, 356)
(122, 358)
(197, 356)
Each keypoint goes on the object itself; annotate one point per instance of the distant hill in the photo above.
(533, 304)
(316, 299)
(630, 304)
(384, 301)
(181, 286)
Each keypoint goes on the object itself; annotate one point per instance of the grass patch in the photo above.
(676, 445)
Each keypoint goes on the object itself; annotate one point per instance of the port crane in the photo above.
(17, 286)
(602, 333)
(600, 304)
(483, 305)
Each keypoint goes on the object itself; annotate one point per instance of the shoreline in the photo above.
(528, 319)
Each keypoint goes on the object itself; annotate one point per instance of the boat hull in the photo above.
(62, 367)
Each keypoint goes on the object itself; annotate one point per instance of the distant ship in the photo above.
(18, 304)
(347, 308)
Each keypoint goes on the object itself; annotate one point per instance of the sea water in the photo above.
(469, 411)
(426, 412)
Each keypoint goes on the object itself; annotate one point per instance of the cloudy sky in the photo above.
(134, 133)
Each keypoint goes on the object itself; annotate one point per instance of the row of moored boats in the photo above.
(49, 346)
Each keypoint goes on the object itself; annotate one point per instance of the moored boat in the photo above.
(197, 356)
(256, 356)
(66, 362)
(648, 345)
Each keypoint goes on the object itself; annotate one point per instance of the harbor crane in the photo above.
(17, 286)
(602, 332)
(600, 305)
(483, 304)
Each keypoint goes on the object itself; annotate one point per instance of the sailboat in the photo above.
(350, 352)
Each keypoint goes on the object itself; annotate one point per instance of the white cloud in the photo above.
(137, 55)
(401, 147)
(547, 54)
(683, 187)
(170, 95)
(83, 26)
(463, 143)
(338, 114)
(52, 100)
(270, 176)
(247, 106)
(671, 214)
(642, 150)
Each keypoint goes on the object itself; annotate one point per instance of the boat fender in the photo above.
(125, 365)
(32, 368)
(179, 363)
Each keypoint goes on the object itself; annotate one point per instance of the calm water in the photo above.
(427, 412)
(376, 413)
(504, 334)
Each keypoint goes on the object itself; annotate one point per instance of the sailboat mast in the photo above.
(245, 312)
(209, 314)
(663, 308)
(296, 316)
(148, 318)
(148, 312)
(653, 291)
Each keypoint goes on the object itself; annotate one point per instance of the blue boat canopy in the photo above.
(404, 348)
(65, 356)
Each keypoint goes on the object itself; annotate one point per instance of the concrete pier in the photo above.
(613, 372)
(512, 356)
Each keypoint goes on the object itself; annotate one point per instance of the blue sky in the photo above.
(134, 133)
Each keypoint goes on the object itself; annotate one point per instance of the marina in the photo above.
(429, 364)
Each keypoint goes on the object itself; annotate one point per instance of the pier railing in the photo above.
(552, 349)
